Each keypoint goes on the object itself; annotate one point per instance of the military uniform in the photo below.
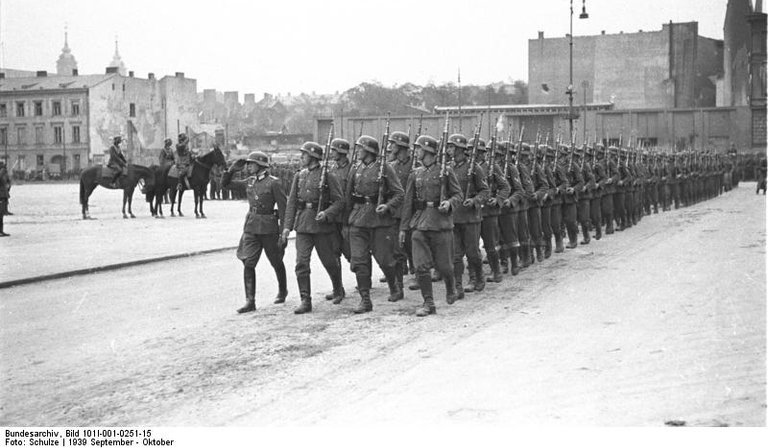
(262, 228)
(183, 161)
(372, 233)
(117, 161)
(619, 195)
(585, 195)
(609, 189)
(595, 204)
(402, 166)
(546, 206)
(5, 195)
(491, 228)
(165, 158)
(300, 214)
(571, 199)
(539, 189)
(431, 228)
(559, 182)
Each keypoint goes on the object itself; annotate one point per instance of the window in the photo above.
(75, 108)
(38, 108)
(21, 164)
(40, 160)
(133, 110)
(3, 136)
(57, 108)
(76, 162)
(57, 135)
(21, 134)
(75, 134)
(20, 109)
(39, 136)
(3, 110)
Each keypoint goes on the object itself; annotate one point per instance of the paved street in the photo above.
(663, 322)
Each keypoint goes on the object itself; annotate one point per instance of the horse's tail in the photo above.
(82, 191)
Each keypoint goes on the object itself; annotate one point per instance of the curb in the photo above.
(108, 267)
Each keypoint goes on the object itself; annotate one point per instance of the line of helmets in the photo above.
(431, 145)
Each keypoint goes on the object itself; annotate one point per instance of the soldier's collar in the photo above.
(262, 175)
(342, 162)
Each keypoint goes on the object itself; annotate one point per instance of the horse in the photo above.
(201, 170)
(156, 194)
(92, 177)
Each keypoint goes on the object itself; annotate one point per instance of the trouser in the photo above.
(507, 224)
(367, 241)
(618, 209)
(489, 232)
(629, 207)
(583, 214)
(534, 226)
(546, 225)
(342, 235)
(595, 213)
(607, 211)
(667, 196)
(523, 233)
(325, 244)
(403, 255)
(569, 217)
(466, 242)
(556, 221)
(249, 252)
(676, 194)
(433, 249)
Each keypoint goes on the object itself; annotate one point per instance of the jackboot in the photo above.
(479, 279)
(471, 273)
(395, 292)
(559, 244)
(450, 290)
(413, 283)
(365, 305)
(493, 261)
(573, 239)
(249, 282)
(525, 261)
(585, 233)
(282, 287)
(548, 248)
(539, 254)
(305, 294)
(598, 232)
(436, 276)
(514, 268)
(609, 227)
(504, 255)
(425, 284)
(458, 276)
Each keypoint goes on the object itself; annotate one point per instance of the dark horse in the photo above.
(92, 177)
(201, 170)
(156, 194)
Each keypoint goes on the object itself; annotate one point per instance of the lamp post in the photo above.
(569, 91)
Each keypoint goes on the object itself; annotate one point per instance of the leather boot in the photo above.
(413, 284)
(305, 293)
(479, 279)
(436, 277)
(514, 268)
(525, 261)
(425, 284)
(539, 254)
(493, 261)
(365, 305)
(450, 290)
(280, 298)
(249, 281)
(338, 296)
(585, 233)
(471, 285)
(458, 276)
(504, 255)
(573, 239)
(559, 245)
(395, 292)
(282, 284)
(399, 282)
(609, 227)
(598, 232)
(548, 248)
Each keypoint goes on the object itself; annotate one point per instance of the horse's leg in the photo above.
(87, 194)
(196, 196)
(172, 197)
(178, 208)
(130, 203)
(202, 199)
(125, 199)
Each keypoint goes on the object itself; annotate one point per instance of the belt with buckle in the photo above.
(357, 199)
(307, 205)
(421, 205)
(263, 211)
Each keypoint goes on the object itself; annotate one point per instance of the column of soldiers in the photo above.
(430, 204)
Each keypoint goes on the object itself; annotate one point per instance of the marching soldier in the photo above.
(429, 217)
(5, 195)
(540, 187)
(183, 161)
(511, 209)
(571, 197)
(523, 229)
(609, 188)
(558, 181)
(263, 224)
(618, 196)
(492, 210)
(401, 161)
(585, 194)
(546, 207)
(117, 161)
(371, 222)
(598, 181)
(340, 169)
(314, 228)
(467, 215)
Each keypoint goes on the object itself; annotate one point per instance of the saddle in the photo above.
(174, 171)
(108, 172)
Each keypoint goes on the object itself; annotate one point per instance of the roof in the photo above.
(523, 108)
(52, 82)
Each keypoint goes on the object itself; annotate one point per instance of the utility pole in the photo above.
(569, 90)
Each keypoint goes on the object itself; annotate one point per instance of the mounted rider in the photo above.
(166, 154)
(183, 160)
(117, 162)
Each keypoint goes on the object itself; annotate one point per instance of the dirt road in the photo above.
(663, 322)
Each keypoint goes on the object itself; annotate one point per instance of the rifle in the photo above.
(506, 154)
(443, 162)
(473, 157)
(535, 150)
(492, 158)
(570, 155)
(594, 152)
(354, 148)
(557, 152)
(519, 146)
(413, 147)
(383, 162)
(324, 170)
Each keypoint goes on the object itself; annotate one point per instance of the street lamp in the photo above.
(569, 91)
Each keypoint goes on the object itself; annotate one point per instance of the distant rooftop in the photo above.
(52, 82)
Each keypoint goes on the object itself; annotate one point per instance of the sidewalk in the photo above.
(49, 239)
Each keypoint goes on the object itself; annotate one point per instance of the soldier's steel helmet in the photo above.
(480, 144)
(458, 141)
(428, 144)
(340, 145)
(368, 143)
(501, 147)
(117, 139)
(168, 142)
(526, 150)
(182, 137)
(400, 139)
(313, 149)
(259, 158)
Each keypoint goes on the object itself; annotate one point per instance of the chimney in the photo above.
(541, 34)
(2, 75)
(151, 76)
(111, 70)
(180, 74)
(602, 32)
(130, 74)
(42, 73)
(74, 72)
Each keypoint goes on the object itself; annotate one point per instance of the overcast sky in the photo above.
(323, 46)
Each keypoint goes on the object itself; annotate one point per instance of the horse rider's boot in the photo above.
(282, 282)
(493, 261)
(365, 305)
(458, 277)
(249, 280)
(395, 289)
(548, 247)
(514, 267)
(425, 284)
(450, 290)
(478, 280)
(305, 293)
